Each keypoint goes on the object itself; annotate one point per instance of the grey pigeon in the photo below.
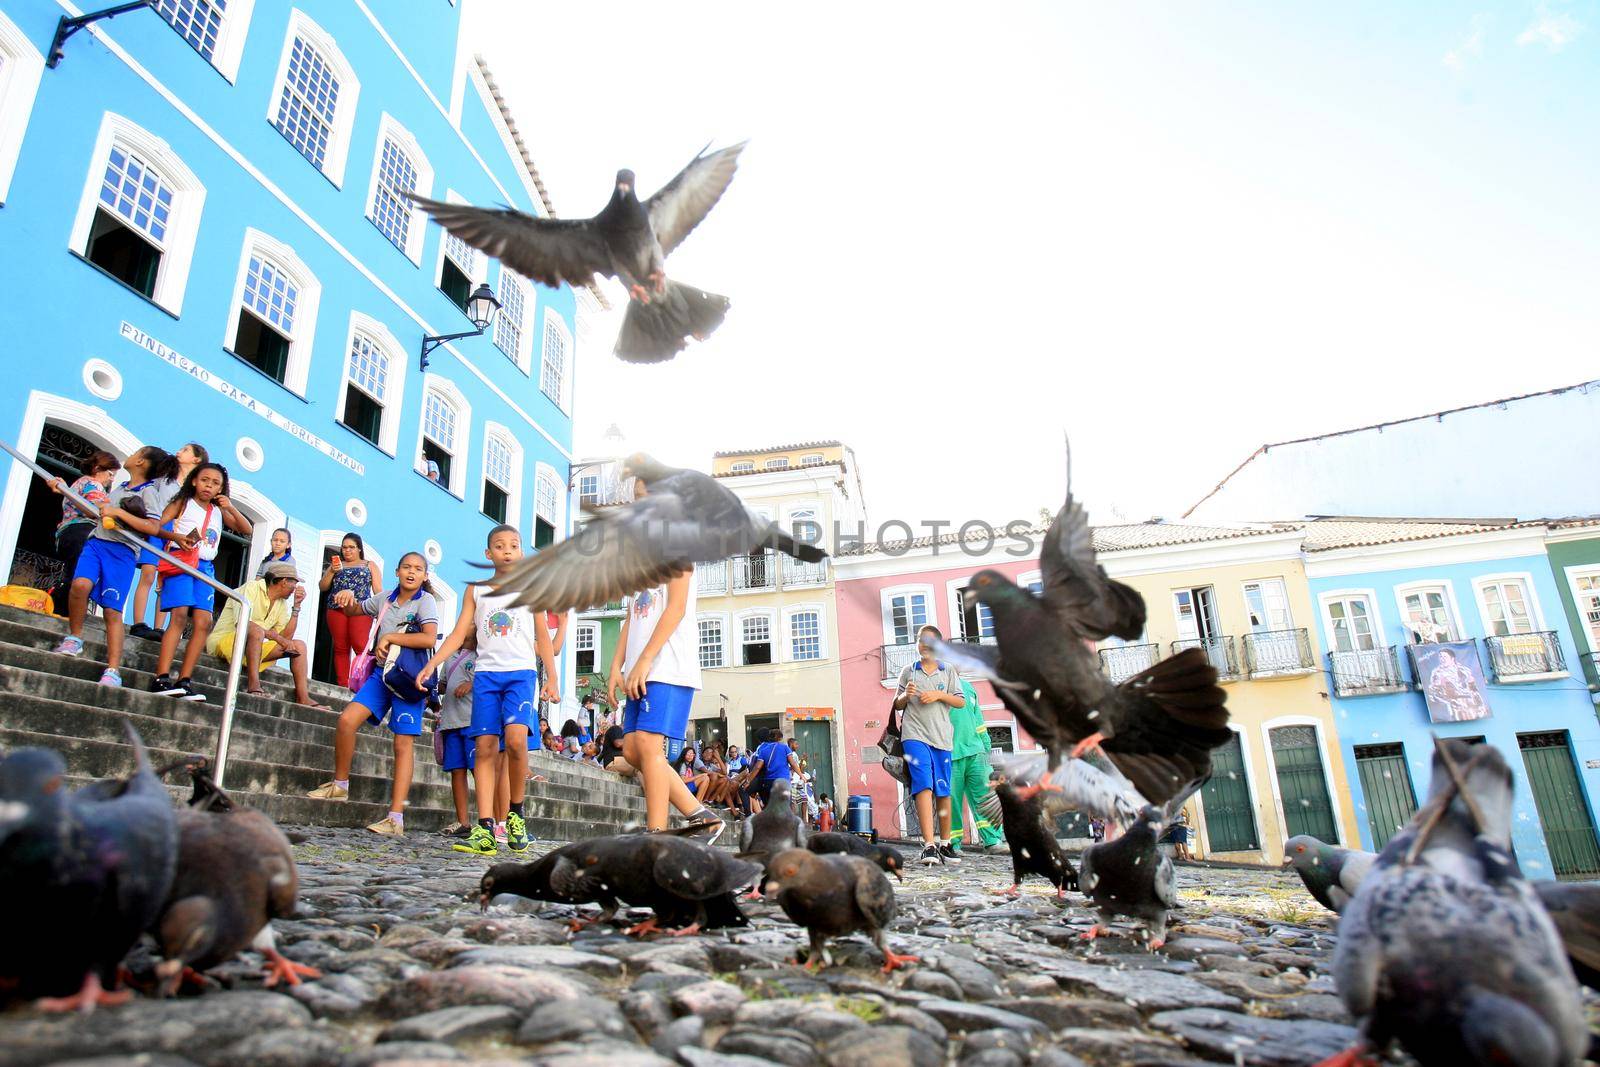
(832, 842)
(1331, 874)
(82, 875)
(683, 517)
(774, 828)
(629, 240)
(831, 895)
(1131, 876)
(688, 885)
(1032, 842)
(1445, 947)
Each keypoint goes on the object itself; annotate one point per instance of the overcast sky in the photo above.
(1176, 231)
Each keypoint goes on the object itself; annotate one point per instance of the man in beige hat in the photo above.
(270, 632)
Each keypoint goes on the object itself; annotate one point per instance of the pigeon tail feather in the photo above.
(659, 330)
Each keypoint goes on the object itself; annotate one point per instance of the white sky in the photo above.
(1176, 231)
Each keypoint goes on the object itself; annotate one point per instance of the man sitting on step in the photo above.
(270, 632)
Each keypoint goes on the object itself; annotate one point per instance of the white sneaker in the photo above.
(330, 791)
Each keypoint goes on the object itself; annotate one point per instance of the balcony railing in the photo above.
(798, 572)
(1269, 652)
(711, 579)
(1366, 672)
(1516, 657)
(751, 573)
(897, 658)
(1124, 661)
(1219, 650)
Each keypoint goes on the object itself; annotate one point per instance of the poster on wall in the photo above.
(1452, 681)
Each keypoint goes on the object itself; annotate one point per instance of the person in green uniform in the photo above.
(969, 776)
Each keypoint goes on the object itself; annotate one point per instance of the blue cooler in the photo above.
(858, 815)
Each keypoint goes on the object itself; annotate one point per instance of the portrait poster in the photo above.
(1452, 681)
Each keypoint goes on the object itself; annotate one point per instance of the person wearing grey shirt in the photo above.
(927, 690)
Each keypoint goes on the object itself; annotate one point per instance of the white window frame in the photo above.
(523, 356)
(1325, 601)
(1535, 613)
(498, 432)
(543, 472)
(774, 636)
(886, 595)
(1574, 574)
(389, 424)
(776, 463)
(952, 596)
(22, 69)
(1027, 578)
(479, 274)
(460, 456)
(344, 109)
(305, 318)
(229, 50)
(815, 459)
(389, 129)
(789, 613)
(1288, 608)
(564, 401)
(1321, 727)
(1457, 621)
(183, 221)
(722, 619)
(594, 628)
(744, 466)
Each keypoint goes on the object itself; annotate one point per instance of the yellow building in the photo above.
(767, 624)
(1240, 593)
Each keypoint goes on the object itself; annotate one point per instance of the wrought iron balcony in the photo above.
(897, 658)
(711, 579)
(1366, 672)
(799, 573)
(1122, 662)
(1269, 652)
(1219, 650)
(1519, 656)
(751, 573)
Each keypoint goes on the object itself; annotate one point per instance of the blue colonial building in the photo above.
(207, 239)
(1457, 629)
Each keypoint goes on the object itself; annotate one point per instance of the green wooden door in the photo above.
(1230, 824)
(816, 745)
(1386, 781)
(1301, 783)
(1563, 811)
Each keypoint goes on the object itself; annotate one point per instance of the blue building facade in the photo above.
(207, 239)
(1462, 635)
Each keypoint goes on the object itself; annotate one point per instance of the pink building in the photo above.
(885, 592)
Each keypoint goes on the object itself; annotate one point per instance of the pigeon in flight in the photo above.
(682, 517)
(1411, 963)
(629, 240)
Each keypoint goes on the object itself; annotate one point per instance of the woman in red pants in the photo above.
(349, 568)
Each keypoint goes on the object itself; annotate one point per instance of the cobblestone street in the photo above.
(414, 972)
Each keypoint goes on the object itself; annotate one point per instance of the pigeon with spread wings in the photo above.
(682, 517)
(629, 240)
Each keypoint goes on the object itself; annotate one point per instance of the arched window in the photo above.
(755, 639)
(502, 475)
(461, 268)
(557, 351)
(214, 28)
(21, 66)
(805, 632)
(374, 381)
(313, 100)
(511, 334)
(442, 445)
(546, 507)
(398, 168)
(274, 314)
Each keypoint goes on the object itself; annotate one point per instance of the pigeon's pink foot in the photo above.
(1092, 741)
(640, 929)
(1061, 893)
(1028, 792)
(893, 960)
(1095, 931)
(684, 931)
(753, 895)
(86, 999)
(1014, 891)
(639, 293)
(1354, 1056)
(282, 969)
(813, 965)
(1155, 943)
(659, 280)
(574, 925)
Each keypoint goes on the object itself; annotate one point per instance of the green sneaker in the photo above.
(480, 843)
(516, 832)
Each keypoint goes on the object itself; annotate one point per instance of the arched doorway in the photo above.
(321, 642)
(35, 561)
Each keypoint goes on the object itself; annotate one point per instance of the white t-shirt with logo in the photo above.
(190, 519)
(506, 639)
(678, 662)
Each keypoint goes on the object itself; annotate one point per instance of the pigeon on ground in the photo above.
(682, 517)
(773, 829)
(834, 843)
(688, 885)
(1445, 947)
(629, 240)
(1331, 874)
(235, 874)
(832, 895)
(81, 875)
(1131, 876)
(1032, 842)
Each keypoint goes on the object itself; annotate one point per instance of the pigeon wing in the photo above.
(551, 251)
(874, 895)
(1166, 884)
(1077, 589)
(681, 204)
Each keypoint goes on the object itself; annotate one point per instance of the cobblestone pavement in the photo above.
(415, 973)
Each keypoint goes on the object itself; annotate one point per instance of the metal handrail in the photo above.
(231, 694)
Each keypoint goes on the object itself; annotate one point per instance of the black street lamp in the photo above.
(481, 309)
(67, 27)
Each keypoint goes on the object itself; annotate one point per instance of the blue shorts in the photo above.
(404, 719)
(110, 566)
(148, 558)
(664, 710)
(929, 767)
(182, 591)
(501, 699)
(460, 754)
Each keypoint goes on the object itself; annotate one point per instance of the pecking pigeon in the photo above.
(831, 895)
(1032, 842)
(834, 843)
(553, 877)
(81, 875)
(1131, 876)
(1411, 963)
(235, 874)
(682, 517)
(629, 240)
(1331, 874)
(689, 885)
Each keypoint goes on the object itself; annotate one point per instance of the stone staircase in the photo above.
(278, 749)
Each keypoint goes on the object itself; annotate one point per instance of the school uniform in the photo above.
(108, 561)
(395, 615)
(675, 674)
(926, 732)
(180, 590)
(505, 683)
(455, 713)
(165, 491)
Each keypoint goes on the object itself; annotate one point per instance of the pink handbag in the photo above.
(361, 665)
